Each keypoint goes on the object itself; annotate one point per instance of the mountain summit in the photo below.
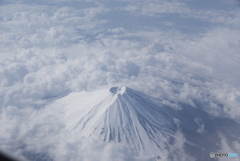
(124, 115)
(120, 115)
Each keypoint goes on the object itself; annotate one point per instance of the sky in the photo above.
(177, 51)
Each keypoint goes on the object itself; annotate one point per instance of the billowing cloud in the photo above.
(178, 52)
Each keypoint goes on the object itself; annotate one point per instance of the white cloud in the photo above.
(41, 25)
(156, 8)
(177, 150)
(51, 49)
(229, 147)
(178, 12)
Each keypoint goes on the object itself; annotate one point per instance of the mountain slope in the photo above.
(121, 115)
(126, 116)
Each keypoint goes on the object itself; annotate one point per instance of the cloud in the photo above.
(229, 147)
(158, 7)
(45, 137)
(42, 25)
(177, 150)
(202, 14)
(49, 49)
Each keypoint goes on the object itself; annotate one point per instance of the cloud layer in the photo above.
(179, 52)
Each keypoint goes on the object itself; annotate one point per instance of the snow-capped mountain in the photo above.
(121, 115)
(127, 116)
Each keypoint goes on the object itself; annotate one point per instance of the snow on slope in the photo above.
(120, 115)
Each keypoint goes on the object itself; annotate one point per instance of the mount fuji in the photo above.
(124, 115)
(121, 115)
